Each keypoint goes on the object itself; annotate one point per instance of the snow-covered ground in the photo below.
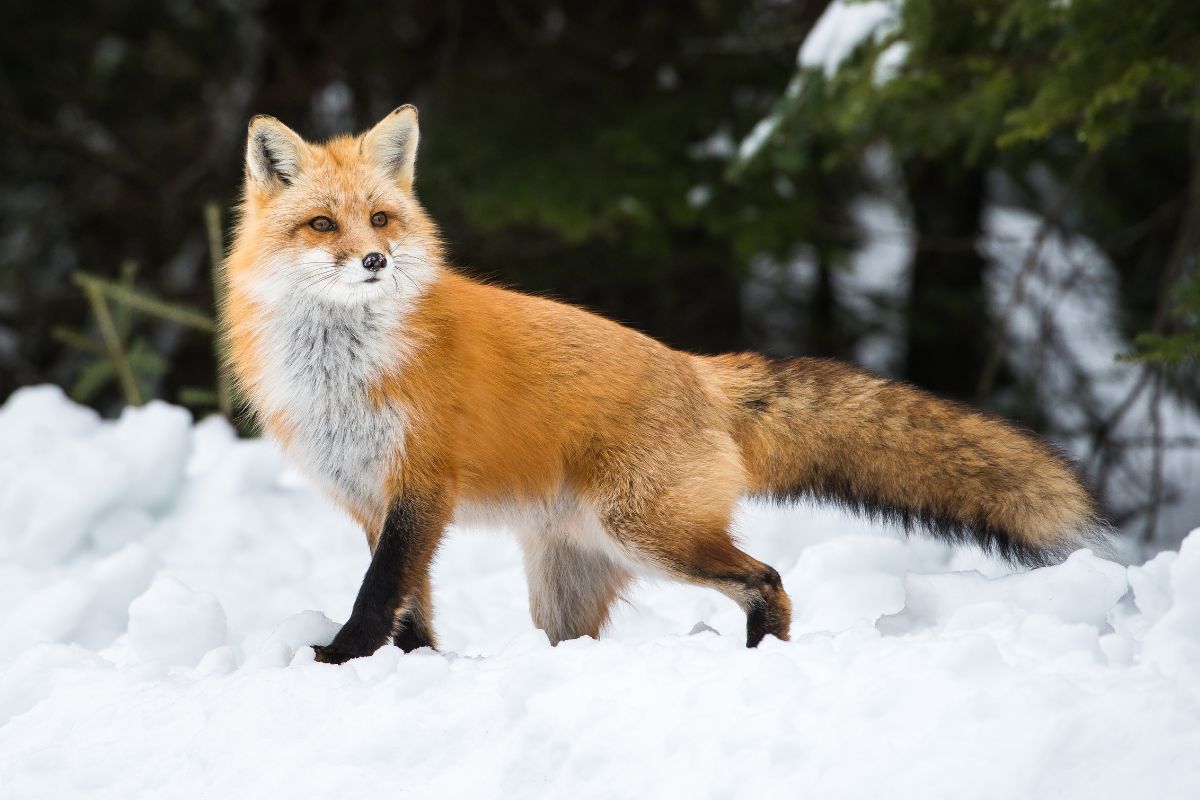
(160, 582)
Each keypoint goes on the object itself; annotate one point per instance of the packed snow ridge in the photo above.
(160, 582)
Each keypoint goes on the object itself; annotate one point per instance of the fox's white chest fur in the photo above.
(319, 363)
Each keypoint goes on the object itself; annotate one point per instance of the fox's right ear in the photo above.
(273, 153)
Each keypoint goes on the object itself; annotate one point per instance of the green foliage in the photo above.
(122, 358)
(127, 359)
(1000, 74)
(1182, 347)
(1110, 65)
(99, 372)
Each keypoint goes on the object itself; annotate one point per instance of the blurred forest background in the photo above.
(998, 200)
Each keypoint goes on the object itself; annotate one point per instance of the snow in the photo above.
(167, 607)
(758, 136)
(718, 145)
(889, 63)
(842, 28)
(160, 582)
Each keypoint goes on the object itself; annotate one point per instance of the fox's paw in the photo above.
(334, 653)
(352, 641)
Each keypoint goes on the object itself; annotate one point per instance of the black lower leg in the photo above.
(398, 567)
(413, 634)
(413, 628)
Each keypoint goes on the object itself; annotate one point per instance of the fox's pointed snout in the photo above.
(374, 262)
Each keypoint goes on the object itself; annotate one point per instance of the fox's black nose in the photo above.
(373, 262)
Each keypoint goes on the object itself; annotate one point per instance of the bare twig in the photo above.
(77, 340)
(1049, 221)
(216, 254)
(1156, 461)
(112, 341)
(144, 302)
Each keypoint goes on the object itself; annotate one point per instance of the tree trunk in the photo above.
(948, 322)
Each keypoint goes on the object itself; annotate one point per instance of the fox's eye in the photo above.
(379, 219)
(322, 224)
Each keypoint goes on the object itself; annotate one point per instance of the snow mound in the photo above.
(160, 583)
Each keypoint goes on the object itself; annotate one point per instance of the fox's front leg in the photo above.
(393, 600)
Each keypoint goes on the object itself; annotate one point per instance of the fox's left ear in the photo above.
(392, 144)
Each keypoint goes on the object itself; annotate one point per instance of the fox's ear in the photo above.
(392, 144)
(273, 153)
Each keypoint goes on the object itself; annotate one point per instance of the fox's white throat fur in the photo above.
(321, 356)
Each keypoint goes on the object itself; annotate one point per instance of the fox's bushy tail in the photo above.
(814, 428)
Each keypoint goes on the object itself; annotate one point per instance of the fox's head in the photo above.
(336, 221)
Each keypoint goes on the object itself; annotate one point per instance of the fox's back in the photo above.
(538, 385)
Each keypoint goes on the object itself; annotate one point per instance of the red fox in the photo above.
(416, 397)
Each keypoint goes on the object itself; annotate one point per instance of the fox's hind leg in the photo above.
(677, 519)
(571, 587)
(706, 555)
